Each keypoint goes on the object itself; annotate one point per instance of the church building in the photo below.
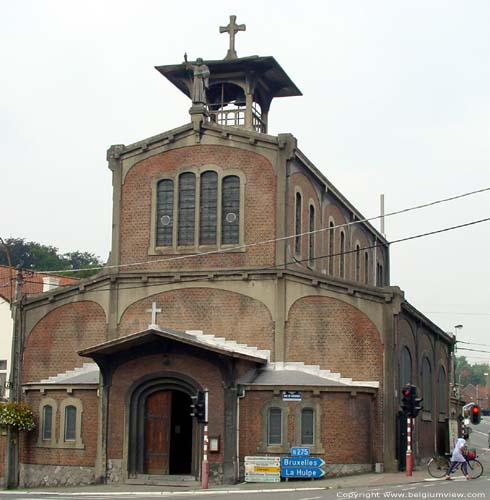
(237, 270)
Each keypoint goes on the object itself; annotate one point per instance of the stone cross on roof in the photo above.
(232, 29)
(154, 310)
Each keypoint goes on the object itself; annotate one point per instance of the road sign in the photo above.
(302, 472)
(302, 462)
(298, 451)
(262, 469)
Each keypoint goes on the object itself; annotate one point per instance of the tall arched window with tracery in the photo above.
(405, 367)
(165, 212)
(443, 391)
(297, 224)
(187, 208)
(358, 262)
(342, 254)
(331, 239)
(208, 208)
(311, 237)
(427, 384)
(230, 210)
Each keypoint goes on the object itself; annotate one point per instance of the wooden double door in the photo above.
(168, 433)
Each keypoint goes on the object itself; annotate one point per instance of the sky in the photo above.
(396, 101)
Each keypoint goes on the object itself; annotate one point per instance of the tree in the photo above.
(38, 257)
(470, 374)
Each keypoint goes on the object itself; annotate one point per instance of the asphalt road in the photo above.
(425, 490)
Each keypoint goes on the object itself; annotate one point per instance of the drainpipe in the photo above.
(239, 396)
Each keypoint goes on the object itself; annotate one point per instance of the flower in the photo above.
(17, 415)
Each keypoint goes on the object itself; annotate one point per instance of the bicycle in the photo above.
(438, 466)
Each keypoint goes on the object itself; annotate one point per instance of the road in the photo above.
(479, 435)
(424, 490)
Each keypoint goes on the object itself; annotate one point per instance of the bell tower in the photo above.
(237, 91)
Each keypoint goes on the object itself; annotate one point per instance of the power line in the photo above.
(294, 261)
(275, 240)
(473, 350)
(459, 313)
(471, 343)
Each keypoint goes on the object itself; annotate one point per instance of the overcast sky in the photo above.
(396, 100)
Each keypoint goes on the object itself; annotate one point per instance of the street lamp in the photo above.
(456, 328)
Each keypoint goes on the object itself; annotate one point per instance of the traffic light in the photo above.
(407, 400)
(411, 404)
(475, 414)
(199, 407)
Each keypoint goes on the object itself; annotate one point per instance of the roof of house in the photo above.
(33, 282)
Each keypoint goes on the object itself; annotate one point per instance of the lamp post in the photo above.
(458, 386)
(487, 390)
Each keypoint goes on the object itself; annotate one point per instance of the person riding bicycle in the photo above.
(458, 457)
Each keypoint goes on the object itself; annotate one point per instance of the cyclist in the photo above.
(458, 457)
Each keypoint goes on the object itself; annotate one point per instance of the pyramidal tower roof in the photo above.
(234, 91)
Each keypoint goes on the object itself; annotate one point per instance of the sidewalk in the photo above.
(345, 482)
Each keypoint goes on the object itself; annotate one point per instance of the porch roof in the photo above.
(193, 338)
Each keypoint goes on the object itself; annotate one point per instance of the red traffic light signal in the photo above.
(475, 415)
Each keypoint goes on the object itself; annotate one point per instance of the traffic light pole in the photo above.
(205, 463)
(409, 456)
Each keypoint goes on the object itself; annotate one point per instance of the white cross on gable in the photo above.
(154, 310)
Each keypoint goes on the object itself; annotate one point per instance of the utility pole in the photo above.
(12, 452)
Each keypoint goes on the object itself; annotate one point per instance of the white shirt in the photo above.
(457, 452)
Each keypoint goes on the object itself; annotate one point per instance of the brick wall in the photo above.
(260, 205)
(52, 345)
(218, 312)
(347, 425)
(32, 454)
(338, 337)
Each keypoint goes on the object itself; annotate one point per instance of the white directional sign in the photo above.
(262, 469)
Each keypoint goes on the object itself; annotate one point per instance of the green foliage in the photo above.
(17, 415)
(38, 257)
(470, 374)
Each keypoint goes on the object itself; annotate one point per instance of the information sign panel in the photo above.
(302, 462)
(262, 469)
(300, 451)
(302, 472)
(291, 395)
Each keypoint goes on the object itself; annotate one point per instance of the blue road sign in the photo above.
(302, 462)
(302, 472)
(300, 451)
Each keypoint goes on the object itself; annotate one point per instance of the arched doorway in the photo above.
(162, 435)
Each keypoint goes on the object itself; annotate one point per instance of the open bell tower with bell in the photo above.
(232, 92)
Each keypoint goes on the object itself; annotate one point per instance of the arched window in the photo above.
(405, 367)
(165, 212)
(358, 263)
(342, 254)
(230, 210)
(307, 426)
(366, 268)
(47, 423)
(208, 209)
(297, 225)
(70, 433)
(331, 236)
(379, 274)
(311, 237)
(427, 384)
(443, 390)
(274, 426)
(187, 208)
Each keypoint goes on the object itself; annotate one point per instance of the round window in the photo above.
(230, 217)
(165, 220)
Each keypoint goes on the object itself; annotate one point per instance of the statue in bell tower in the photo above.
(200, 81)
